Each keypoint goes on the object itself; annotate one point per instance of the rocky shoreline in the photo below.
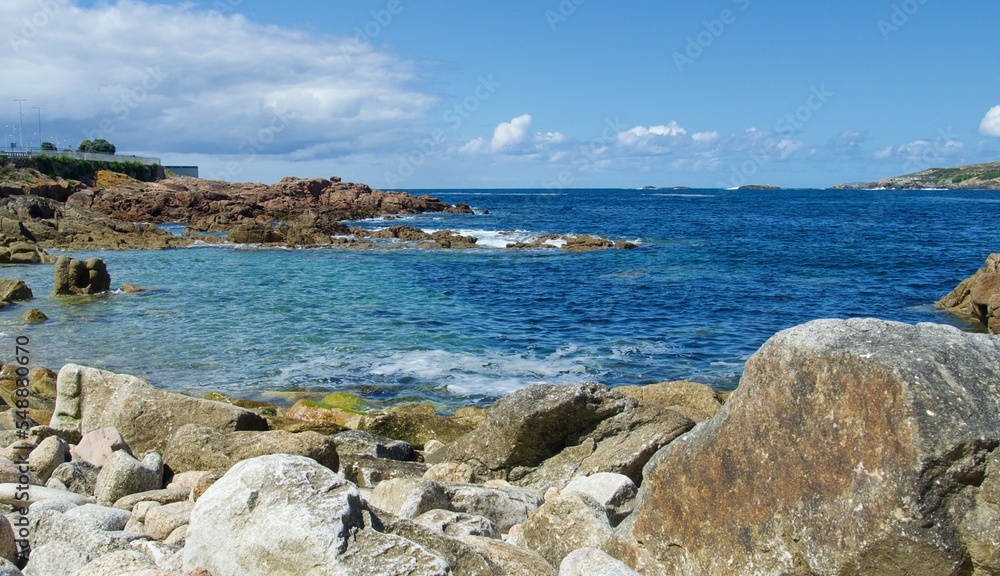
(119, 213)
(850, 447)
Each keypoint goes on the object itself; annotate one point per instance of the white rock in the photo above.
(409, 497)
(9, 494)
(286, 515)
(8, 568)
(118, 564)
(568, 522)
(505, 505)
(56, 557)
(458, 524)
(593, 562)
(616, 492)
(97, 517)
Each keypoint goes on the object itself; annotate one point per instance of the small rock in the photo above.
(409, 497)
(160, 521)
(566, 523)
(13, 473)
(433, 445)
(123, 475)
(78, 476)
(593, 562)
(101, 518)
(132, 288)
(12, 494)
(165, 496)
(98, 445)
(34, 316)
(458, 524)
(8, 540)
(140, 510)
(118, 563)
(369, 471)
(451, 472)
(177, 537)
(49, 455)
(14, 290)
(56, 557)
(615, 492)
(366, 443)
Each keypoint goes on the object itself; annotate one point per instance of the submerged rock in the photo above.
(850, 447)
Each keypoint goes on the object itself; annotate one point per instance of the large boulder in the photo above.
(197, 447)
(89, 399)
(525, 428)
(288, 515)
(76, 277)
(978, 297)
(850, 447)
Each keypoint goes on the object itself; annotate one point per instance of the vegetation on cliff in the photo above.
(32, 169)
(969, 177)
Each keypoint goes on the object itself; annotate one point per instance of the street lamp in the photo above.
(39, 108)
(20, 112)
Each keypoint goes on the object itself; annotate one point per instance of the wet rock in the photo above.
(14, 290)
(856, 446)
(418, 424)
(196, 447)
(34, 316)
(75, 277)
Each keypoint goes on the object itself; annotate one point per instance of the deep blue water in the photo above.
(717, 273)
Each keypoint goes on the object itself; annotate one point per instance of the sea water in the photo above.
(714, 275)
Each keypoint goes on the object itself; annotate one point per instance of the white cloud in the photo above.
(202, 82)
(510, 135)
(653, 139)
(705, 137)
(990, 126)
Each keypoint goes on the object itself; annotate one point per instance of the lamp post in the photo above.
(39, 109)
(20, 112)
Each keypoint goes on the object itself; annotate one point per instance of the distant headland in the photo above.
(969, 177)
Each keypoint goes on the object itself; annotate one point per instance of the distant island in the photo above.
(759, 187)
(970, 177)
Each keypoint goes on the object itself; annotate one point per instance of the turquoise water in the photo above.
(716, 273)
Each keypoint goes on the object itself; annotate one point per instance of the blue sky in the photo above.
(564, 93)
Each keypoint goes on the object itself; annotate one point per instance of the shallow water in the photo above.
(716, 273)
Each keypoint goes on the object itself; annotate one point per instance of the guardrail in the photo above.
(90, 156)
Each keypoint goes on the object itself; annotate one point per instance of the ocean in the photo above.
(715, 274)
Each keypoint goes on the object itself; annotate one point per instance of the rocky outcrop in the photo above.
(44, 222)
(213, 205)
(14, 291)
(76, 277)
(696, 401)
(89, 399)
(850, 447)
(978, 297)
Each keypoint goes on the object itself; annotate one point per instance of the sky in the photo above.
(412, 94)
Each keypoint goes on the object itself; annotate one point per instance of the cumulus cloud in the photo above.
(203, 82)
(510, 135)
(653, 139)
(990, 126)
